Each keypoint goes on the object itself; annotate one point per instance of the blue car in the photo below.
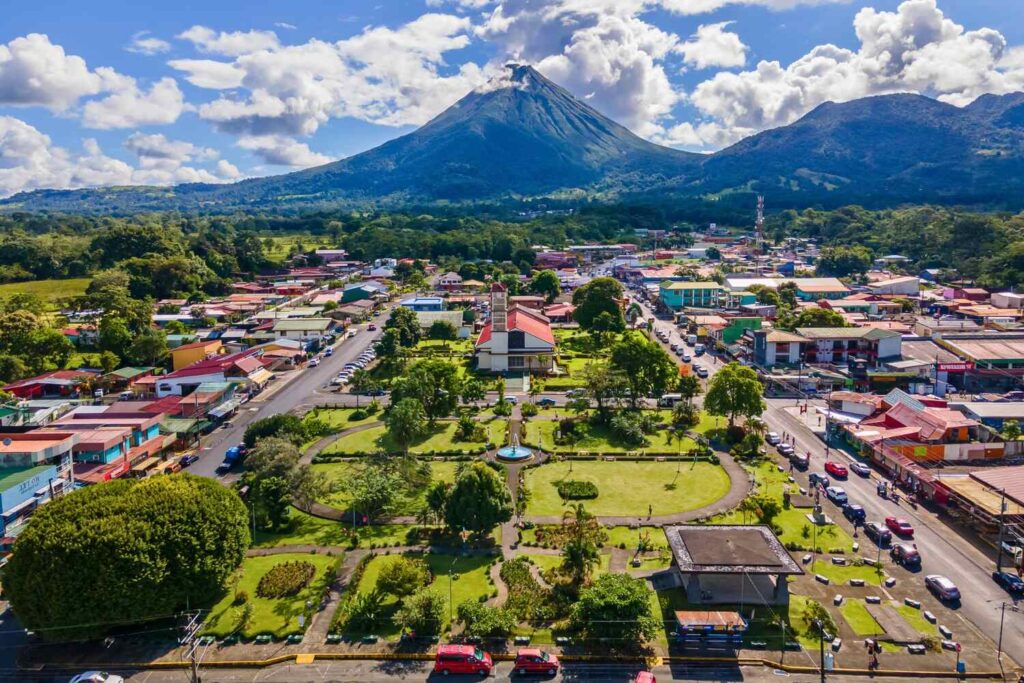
(1010, 583)
(546, 402)
(855, 513)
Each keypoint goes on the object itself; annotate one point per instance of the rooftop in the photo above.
(845, 333)
(690, 285)
(729, 549)
(995, 348)
(12, 476)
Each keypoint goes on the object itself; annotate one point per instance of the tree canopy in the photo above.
(598, 296)
(479, 500)
(735, 391)
(125, 552)
(644, 364)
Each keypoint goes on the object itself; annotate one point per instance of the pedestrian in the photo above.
(650, 510)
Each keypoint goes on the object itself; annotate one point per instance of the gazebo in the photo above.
(730, 564)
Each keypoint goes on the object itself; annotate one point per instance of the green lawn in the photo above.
(470, 582)
(341, 418)
(860, 620)
(280, 245)
(441, 438)
(599, 439)
(47, 290)
(840, 575)
(457, 347)
(278, 617)
(309, 530)
(916, 619)
(338, 471)
(546, 562)
(627, 488)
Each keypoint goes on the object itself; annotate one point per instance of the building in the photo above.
(836, 345)
(359, 291)
(56, 384)
(994, 414)
(450, 281)
(189, 354)
(514, 339)
(555, 260)
(807, 288)
(423, 303)
(244, 368)
(427, 318)
(1008, 300)
(34, 467)
(730, 564)
(680, 295)
(559, 313)
(329, 256)
(303, 329)
(899, 286)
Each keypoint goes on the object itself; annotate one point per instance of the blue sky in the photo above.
(112, 93)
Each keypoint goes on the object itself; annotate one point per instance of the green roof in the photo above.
(130, 372)
(12, 476)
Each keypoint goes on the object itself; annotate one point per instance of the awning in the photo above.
(146, 464)
(261, 376)
(225, 408)
(179, 425)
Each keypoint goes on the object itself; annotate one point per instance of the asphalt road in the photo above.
(276, 399)
(943, 550)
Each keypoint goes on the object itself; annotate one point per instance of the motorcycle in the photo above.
(881, 489)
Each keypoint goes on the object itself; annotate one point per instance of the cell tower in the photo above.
(759, 232)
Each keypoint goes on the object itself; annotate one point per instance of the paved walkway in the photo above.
(320, 625)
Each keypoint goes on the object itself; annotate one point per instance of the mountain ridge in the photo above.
(526, 137)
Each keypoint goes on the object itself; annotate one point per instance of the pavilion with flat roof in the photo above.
(730, 564)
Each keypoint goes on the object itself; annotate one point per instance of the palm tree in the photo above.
(580, 554)
(536, 388)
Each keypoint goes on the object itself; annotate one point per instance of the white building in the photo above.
(515, 339)
(900, 286)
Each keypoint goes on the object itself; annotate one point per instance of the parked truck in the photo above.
(232, 457)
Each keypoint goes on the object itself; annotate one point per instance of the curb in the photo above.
(307, 658)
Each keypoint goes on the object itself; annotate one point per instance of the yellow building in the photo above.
(186, 355)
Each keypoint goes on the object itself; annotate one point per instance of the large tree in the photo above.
(404, 320)
(479, 500)
(124, 552)
(434, 383)
(605, 386)
(841, 261)
(645, 365)
(600, 295)
(406, 421)
(442, 330)
(546, 284)
(813, 317)
(616, 607)
(735, 391)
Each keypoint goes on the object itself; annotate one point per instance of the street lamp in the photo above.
(821, 647)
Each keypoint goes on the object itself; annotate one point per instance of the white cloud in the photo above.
(207, 73)
(132, 106)
(35, 72)
(145, 44)
(230, 44)
(285, 25)
(227, 170)
(915, 49)
(280, 150)
(713, 46)
(163, 161)
(158, 146)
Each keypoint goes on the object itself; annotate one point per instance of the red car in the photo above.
(462, 659)
(371, 327)
(836, 469)
(534, 661)
(900, 527)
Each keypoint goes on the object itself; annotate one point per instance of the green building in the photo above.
(680, 295)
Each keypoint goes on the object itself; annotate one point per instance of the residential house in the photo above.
(450, 281)
(515, 338)
(82, 335)
(189, 354)
(329, 256)
(559, 312)
(58, 383)
(122, 378)
(358, 291)
(244, 368)
(303, 329)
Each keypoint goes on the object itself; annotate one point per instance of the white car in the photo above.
(314, 362)
(773, 438)
(97, 677)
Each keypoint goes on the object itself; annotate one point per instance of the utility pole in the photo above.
(190, 626)
(1002, 524)
(821, 647)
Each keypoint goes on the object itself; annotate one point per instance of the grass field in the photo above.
(47, 290)
(860, 620)
(309, 530)
(470, 581)
(280, 245)
(278, 617)
(441, 438)
(341, 418)
(338, 471)
(599, 439)
(840, 575)
(627, 488)
(916, 619)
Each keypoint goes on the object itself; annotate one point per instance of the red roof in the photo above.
(523, 320)
(243, 360)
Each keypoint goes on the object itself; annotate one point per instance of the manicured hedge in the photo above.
(577, 490)
(285, 579)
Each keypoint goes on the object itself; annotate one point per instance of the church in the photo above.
(515, 339)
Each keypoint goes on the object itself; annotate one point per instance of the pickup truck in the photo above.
(231, 458)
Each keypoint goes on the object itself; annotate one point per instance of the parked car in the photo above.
(837, 470)
(860, 468)
(785, 449)
(576, 393)
(313, 362)
(351, 333)
(877, 532)
(511, 399)
(701, 371)
(819, 479)
(855, 513)
(329, 351)
(905, 554)
(685, 357)
(462, 659)
(187, 460)
(535, 661)
(371, 327)
(942, 588)
(900, 527)
(800, 460)
(97, 677)
(837, 495)
(773, 438)
(546, 402)
(1010, 583)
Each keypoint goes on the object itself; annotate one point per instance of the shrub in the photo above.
(285, 579)
(482, 621)
(403, 576)
(571, 489)
(530, 409)
(423, 613)
(241, 597)
(358, 414)
(628, 429)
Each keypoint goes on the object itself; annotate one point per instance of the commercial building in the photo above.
(56, 384)
(34, 467)
(680, 295)
(898, 286)
(303, 329)
(423, 303)
(807, 288)
(835, 345)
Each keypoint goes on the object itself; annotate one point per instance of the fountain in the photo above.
(514, 452)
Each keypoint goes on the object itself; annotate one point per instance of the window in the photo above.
(516, 339)
(516, 362)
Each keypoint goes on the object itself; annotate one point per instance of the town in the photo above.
(748, 456)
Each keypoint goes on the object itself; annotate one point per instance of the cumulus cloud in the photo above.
(713, 46)
(132, 106)
(913, 49)
(229, 44)
(387, 76)
(281, 150)
(145, 44)
(35, 72)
